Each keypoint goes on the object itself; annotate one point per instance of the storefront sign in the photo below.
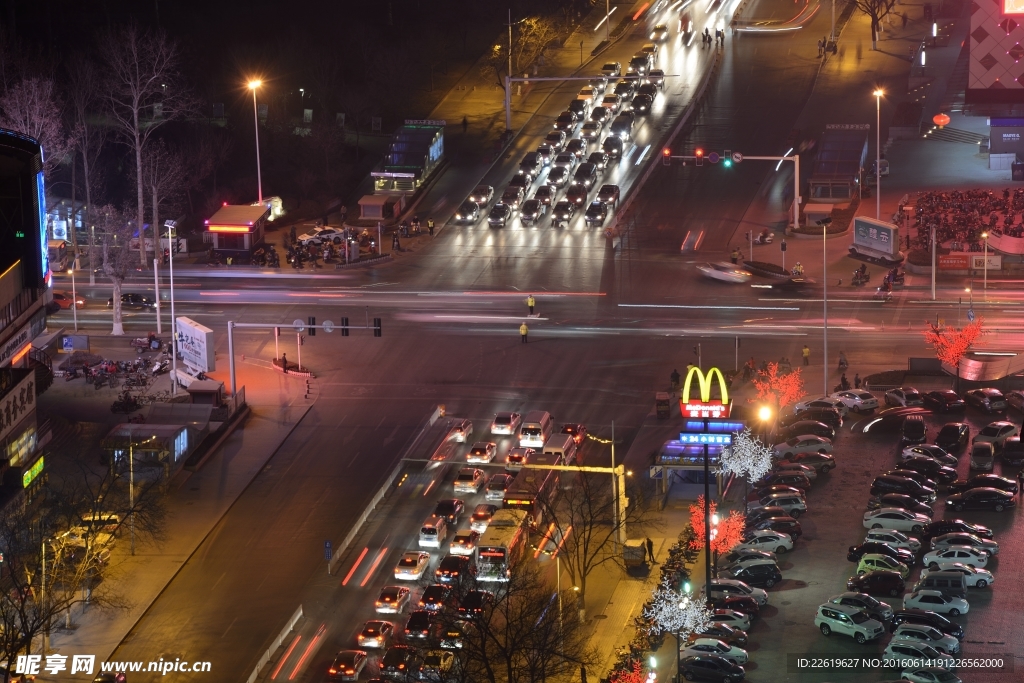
(705, 407)
(16, 403)
(26, 334)
(953, 261)
(29, 475)
(195, 343)
(876, 235)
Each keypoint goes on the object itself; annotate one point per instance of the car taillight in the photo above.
(332, 671)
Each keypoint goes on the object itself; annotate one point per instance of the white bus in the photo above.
(502, 546)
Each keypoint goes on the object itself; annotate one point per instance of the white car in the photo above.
(412, 566)
(936, 602)
(893, 539)
(482, 452)
(319, 236)
(903, 396)
(468, 480)
(808, 443)
(912, 652)
(464, 542)
(857, 400)
(957, 554)
(974, 578)
(461, 431)
(847, 620)
(927, 450)
(821, 402)
(996, 433)
(768, 540)
(731, 617)
(392, 599)
(497, 485)
(481, 517)
(970, 540)
(928, 635)
(517, 457)
(725, 272)
(732, 587)
(895, 518)
(506, 423)
(929, 674)
(714, 646)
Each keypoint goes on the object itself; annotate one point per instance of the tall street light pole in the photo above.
(824, 285)
(174, 322)
(253, 85)
(74, 296)
(878, 153)
(984, 236)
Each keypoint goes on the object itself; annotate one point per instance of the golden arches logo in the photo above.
(705, 407)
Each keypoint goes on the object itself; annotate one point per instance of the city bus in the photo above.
(532, 489)
(502, 545)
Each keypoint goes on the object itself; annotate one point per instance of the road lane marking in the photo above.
(287, 654)
(373, 567)
(355, 566)
(724, 308)
(536, 553)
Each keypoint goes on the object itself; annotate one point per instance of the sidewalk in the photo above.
(195, 503)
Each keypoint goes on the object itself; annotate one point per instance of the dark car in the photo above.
(400, 662)
(624, 89)
(943, 401)
(451, 509)
(723, 632)
(566, 122)
(981, 499)
(531, 164)
(739, 603)
(132, 300)
(499, 215)
(781, 524)
(797, 480)
(874, 548)
(953, 436)
(829, 416)
(546, 195)
(580, 108)
(760, 575)
(563, 212)
(922, 479)
(586, 175)
(475, 603)
(742, 555)
(710, 668)
(598, 159)
(926, 618)
(1013, 451)
(764, 513)
(642, 104)
(596, 214)
(812, 427)
(989, 400)
(532, 211)
(609, 194)
(992, 481)
(435, 597)
(556, 140)
(899, 500)
(523, 180)
(649, 89)
(420, 624)
(933, 469)
(929, 450)
(896, 484)
(454, 569)
(877, 582)
(913, 430)
(577, 194)
(469, 212)
(613, 146)
(950, 526)
(577, 431)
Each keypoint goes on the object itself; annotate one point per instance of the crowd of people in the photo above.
(960, 217)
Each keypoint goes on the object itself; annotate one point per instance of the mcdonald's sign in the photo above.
(706, 407)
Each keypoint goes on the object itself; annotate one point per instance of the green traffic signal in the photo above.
(727, 162)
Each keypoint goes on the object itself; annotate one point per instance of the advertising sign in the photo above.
(17, 403)
(195, 343)
(953, 261)
(706, 407)
(876, 235)
(995, 261)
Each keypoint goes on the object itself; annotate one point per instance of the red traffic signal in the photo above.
(699, 155)
(666, 156)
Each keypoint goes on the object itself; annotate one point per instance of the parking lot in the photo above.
(817, 568)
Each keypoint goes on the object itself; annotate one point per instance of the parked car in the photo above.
(784, 524)
(962, 539)
(714, 646)
(924, 450)
(1015, 400)
(787, 478)
(766, 540)
(993, 481)
(802, 427)
(857, 400)
(996, 433)
(878, 582)
(807, 443)
(930, 468)
(981, 499)
(830, 416)
(910, 653)
(972, 557)
(899, 500)
(935, 601)
(989, 400)
(928, 674)
(710, 668)
(949, 526)
(893, 539)
(943, 401)
(927, 618)
(856, 552)
(953, 436)
(731, 587)
(983, 456)
(847, 620)
(791, 504)
(761, 574)
(733, 618)
(874, 608)
(821, 402)
(738, 603)
(973, 577)
(904, 396)
(740, 556)
(877, 561)
(721, 631)
(888, 483)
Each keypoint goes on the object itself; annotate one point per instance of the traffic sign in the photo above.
(970, 314)
(328, 551)
(713, 157)
(299, 325)
(328, 326)
(737, 157)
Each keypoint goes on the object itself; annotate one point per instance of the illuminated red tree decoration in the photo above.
(634, 675)
(778, 388)
(951, 344)
(728, 533)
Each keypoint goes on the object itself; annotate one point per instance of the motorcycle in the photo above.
(159, 368)
(764, 238)
(860, 277)
(885, 295)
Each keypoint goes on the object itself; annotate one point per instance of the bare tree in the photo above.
(165, 175)
(115, 231)
(587, 525)
(145, 92)
(876, 11)
(30, 107)
(529, 38)
(84, 85)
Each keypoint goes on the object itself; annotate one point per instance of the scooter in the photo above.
(159, 368)
(764, 238)
(883, 294)
(860, 277)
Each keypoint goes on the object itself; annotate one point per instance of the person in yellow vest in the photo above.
(530, 303)
(523, 329)
(807, 355)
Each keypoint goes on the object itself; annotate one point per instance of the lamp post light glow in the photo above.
(878, 152)
(254, 85)
(984, 236)
(74, 297)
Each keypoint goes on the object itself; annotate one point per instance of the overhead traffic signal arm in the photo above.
(699, 155)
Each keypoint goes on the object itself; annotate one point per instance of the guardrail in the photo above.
(275, 644)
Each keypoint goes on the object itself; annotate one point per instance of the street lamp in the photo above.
(253, 85)
(74, 296)
(984, 236)
(878, 152)
(174, 323)
(714, 535)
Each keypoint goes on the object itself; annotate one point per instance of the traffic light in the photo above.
(312, 326)
(666, 156)
(344, 327)
(699, 155)
(376, 327)
(727, 158)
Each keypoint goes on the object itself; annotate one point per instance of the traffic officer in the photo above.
(523, 329)
(430, 226)
(807, 355)
(530, 303)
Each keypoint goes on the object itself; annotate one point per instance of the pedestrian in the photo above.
(395, 244)
(807, 355)
(650, 550)
(903, 19)
(821, 49)
(465, 124)
(284, 362)
(530, 303)
(430, 226)
(735, 256)
(674, 378)
(856, 381)
(523, 329)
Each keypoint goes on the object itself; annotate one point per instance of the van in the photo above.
(433, 532)
(913, 430)
(983, 456)
(950, 584)
(563, 447)
(108, 522)
(536, 428)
